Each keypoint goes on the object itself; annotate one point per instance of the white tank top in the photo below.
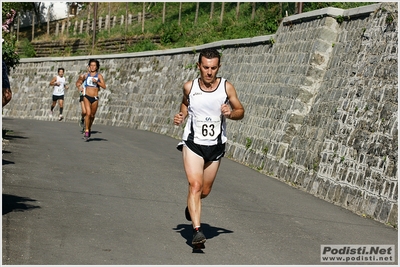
(59, 89)
(206, 125)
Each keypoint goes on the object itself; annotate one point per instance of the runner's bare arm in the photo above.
(53, 81)
(79, 82)
(183, 110)
(234, 110)
(101, 82)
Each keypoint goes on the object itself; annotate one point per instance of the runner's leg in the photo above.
(88, 113)
(61, 104)
(210, 173)
(93, 112)
(194, 168)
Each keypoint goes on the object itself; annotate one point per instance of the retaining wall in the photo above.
(320, 97)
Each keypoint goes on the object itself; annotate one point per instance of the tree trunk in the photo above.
(212, 10)
(144, 10)
(180, 13)
(126, 18)
(253, 10)
(222, 12)
(163, 13)
(94, 25)
(109, 18)
(237, 10)
(48, 21)
(197, 12)
(33, 25)
(69, 11)
(36, 9)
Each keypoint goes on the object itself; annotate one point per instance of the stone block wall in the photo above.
(320, 97)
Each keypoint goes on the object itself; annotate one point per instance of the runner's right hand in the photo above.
(178, 118)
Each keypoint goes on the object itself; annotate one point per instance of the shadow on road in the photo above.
(96, 139)
(91, 139)
(186, 231)
(7, 136)
(6, 162)
(15, 203)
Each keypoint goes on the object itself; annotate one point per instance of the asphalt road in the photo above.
(120, 199)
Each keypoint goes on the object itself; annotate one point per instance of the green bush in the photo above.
(27, 48)
(9, 56)
(144, 45)
(170, 34)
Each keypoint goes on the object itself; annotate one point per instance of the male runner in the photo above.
(207, 102)
(59, 84)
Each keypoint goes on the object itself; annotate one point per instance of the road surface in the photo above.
(120, 199)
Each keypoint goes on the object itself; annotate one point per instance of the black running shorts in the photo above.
(58, 97)
(208, 153)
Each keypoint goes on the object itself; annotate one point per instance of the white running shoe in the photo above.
(60, 117)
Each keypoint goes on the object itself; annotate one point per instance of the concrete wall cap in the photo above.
(332, 12)
(361, 10)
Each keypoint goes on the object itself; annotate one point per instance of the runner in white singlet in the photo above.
(207, 102)
(59, 84)
(205, 124)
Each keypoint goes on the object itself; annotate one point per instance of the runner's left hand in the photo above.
(226, 110)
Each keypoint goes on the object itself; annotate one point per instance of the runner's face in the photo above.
(60, 73)
(93, 67)
(208, 69)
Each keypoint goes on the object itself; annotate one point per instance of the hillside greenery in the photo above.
(173, 34)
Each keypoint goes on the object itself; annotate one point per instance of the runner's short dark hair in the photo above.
(60, 69)
(210, 53)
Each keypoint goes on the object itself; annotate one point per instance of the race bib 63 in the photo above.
(207, 128)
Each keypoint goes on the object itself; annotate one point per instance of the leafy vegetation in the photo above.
(9, 42)
(189, 32)
(181, 26)
(9, 56)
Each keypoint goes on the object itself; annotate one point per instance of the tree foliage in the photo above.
(9, 13)
(9, 56)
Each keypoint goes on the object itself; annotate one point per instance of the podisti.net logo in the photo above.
(358, 253)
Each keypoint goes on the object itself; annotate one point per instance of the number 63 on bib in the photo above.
(207, 128)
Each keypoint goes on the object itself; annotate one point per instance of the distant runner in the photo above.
(93, 81)
(59, 84)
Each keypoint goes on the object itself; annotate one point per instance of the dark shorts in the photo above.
(92, 99)
(208, 153)
(58, 97)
